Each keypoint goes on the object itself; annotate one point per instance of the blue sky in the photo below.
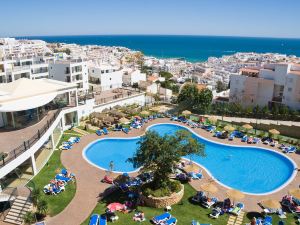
(267, 18)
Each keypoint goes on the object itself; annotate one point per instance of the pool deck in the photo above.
(89, 187)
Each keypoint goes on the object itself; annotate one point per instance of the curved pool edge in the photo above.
(292, 177)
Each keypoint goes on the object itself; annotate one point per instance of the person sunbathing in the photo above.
(139, 217)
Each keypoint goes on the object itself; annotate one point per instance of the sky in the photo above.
(255, 18)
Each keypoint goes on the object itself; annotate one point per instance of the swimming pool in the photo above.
(252, 170)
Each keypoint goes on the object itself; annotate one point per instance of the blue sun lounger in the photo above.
(62, 178)
(125, 130)
(267, 220)
(105, 131)
(245, 138)
(172, 221)
(99, 132)
(94, 220)
(103, 220)
(161, 218)
(290, 149)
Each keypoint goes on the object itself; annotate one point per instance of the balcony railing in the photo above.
(28, 143)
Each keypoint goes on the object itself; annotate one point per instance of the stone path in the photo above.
(89, 186)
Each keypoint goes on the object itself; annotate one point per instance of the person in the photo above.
(111, 166)
(253, 221)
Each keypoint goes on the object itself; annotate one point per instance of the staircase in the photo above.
(19, 208)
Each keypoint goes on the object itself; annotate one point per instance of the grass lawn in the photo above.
(185, 211)
(56, 203)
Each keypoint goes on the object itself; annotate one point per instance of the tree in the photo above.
(204, 100)
(160, 154)
(42, 207)
(191, 98)
(166, 75)
(188, 95)
(29, 217)
(35, 196)
(220, 86)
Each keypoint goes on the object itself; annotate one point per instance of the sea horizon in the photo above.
(193, 48)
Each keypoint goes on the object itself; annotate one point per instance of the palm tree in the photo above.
(42, 207)
(29, 217)
(35, 195)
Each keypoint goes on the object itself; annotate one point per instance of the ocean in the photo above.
(192, 48)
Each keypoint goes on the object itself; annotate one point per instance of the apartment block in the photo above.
(272, 84)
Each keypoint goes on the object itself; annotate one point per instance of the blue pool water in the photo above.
(249, 169)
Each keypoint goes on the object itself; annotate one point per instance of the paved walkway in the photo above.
(89, 186)
(11, 139)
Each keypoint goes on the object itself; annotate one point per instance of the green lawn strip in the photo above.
(185, 211)
(56, 203)
(72, 133)
(89, 130)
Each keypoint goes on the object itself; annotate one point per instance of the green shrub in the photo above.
(166, 190)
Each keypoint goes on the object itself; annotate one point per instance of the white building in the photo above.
(273, 84)
(131, 76)
(74, 71)
(104, 77)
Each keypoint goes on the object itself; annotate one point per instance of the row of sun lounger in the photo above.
(67, 145)
(58, 184)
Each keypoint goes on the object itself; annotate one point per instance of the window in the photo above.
(290, 89)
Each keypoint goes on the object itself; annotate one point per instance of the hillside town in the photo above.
(102, 68)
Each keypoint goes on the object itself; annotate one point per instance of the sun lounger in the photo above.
(94, 220)
(74, 139)
(161, 218)
(237, 209)
(99, 132)
(256, 140)
(231, 137)
(226, 205)
(215, 213)
(290, 149)
(125, 130)
(171, 221)
(209, 202)
(195, 176)
(65, 147)
(105, 131)
(267, 220)
(250, 140)
(217, 134)
(199, 197)
(245, 138)
(103, 220)
(62, 178)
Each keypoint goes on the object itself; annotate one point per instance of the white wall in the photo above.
(57, 72)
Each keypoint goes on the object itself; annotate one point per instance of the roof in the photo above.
(25, 93)
(152, 78)
(201, 86)
(249, 70)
